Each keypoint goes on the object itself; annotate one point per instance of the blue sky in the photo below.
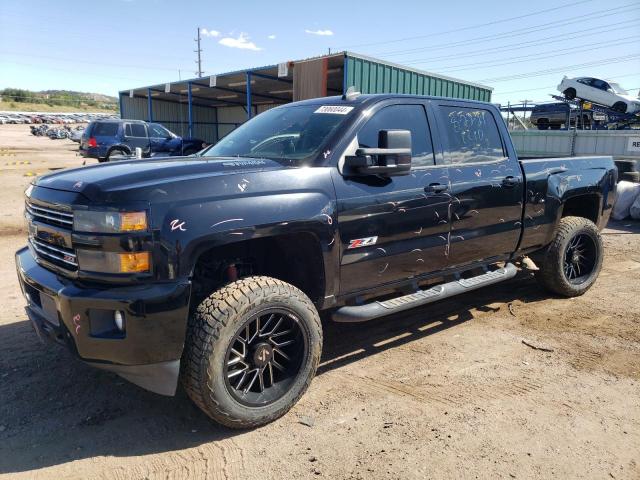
(114, 45)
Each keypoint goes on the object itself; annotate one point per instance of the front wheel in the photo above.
(570, 265)
(251, 351)
(620, 107)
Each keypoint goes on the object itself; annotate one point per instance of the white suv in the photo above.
(599, 91)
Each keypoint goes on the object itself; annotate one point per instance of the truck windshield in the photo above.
(288, 133)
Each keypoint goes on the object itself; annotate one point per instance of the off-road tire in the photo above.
(550, 261)
(213, 325)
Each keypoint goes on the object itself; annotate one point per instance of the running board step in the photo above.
(369, 311)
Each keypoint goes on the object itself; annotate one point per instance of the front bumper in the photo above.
(68, 312)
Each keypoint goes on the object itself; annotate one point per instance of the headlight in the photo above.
(113, 262)
(109, 222)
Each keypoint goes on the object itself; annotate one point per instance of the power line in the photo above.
(88, 62)
(470, 27)
(521, 45)
(520, 31)
(542, 56)
(538, 73)
(66, 70)
(498, 92)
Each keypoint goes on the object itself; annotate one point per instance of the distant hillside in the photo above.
(19, 99)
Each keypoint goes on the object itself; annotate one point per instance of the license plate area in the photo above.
(43, 302)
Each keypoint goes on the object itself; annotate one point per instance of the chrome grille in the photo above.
(65, 256)
(48, 215)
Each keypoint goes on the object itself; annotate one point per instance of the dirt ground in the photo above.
(450, 391)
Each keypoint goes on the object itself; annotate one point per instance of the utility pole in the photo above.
(199, 51)
(524, 113)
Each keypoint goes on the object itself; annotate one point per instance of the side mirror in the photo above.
(392, 157)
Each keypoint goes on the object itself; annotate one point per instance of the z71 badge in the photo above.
(362, 242)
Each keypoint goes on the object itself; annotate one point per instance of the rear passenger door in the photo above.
(135, 136)
(486, 184)
(392, 228)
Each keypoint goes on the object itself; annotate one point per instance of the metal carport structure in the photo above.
(210, 107)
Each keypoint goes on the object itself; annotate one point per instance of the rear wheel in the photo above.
(570, 93)
(570, 265)
(115, 154)
(251, 351)
(543, 124)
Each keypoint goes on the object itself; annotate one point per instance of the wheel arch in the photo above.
(119, 146)
(296, 258)
(586, 205)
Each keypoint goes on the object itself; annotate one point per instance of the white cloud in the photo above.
(242, 42)
(209, 33)
(271, 37)
(319, 32)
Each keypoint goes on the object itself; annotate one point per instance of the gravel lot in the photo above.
(450, 391)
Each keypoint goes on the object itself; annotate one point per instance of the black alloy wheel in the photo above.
(580, 259)
(264, 357)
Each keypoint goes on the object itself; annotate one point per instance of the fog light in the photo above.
(118, 319)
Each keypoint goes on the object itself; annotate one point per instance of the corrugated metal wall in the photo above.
(373, 77)
(534, 143)
(209, 123)
(175, 116)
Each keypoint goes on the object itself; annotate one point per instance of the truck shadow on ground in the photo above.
(56, 410)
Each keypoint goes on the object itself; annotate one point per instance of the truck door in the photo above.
(390, 228)
(486, 184)
(159, 138)
(135, 135)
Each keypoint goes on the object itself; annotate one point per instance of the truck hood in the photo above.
(105, 181)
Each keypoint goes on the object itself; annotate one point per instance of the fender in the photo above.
(550, 184)
(250, 206)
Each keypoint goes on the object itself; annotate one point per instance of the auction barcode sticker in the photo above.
(335, 109)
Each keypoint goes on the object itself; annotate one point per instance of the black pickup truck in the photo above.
(211, 269)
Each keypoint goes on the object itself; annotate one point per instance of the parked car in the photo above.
(108, 139)
(602, 92)
(75, 135)
(212, 268)
(554, 116)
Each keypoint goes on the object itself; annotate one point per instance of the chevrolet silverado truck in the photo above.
(211, 270)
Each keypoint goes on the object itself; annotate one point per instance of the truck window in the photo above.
(470, 135)
(158, 131)
(135, 130)
(102, 129)
(401, 117)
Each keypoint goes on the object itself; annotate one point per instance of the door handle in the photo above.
(510, 182)
(436, 188)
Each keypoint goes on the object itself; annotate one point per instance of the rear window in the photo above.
(135, 130)
(105, 129)
(471, 134)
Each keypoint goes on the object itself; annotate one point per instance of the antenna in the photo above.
(199, 73)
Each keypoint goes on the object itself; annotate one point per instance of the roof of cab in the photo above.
(359, 99)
